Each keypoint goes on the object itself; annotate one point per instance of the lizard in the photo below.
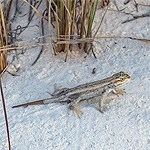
(83, 94)
(119, 78)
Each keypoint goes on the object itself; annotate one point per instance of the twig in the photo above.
(21, 29)
(8, 10)
(3, 71)
(136, 5)
(43, 39)
(68, 41)
(118, 8)
(30, 11)
(139, 39)
(101, 22)
(120, 11)
(137, 17)
(126, 2)
(66, 56)
(16, 10)
(144, 5)
(5, 114)
(12, 73)
(93, 52)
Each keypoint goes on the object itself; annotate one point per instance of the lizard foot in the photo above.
(78, 112)
(119, 92)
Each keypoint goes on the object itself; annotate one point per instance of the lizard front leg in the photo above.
(105, 93)
(103, 97)
(118, 91)
(77, 111)
(73, 106)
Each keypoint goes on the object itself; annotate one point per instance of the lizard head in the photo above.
(121, 78)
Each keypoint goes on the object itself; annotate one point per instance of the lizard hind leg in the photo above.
(101, 105)
(76, 110)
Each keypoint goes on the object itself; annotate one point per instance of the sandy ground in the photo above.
(125, 124)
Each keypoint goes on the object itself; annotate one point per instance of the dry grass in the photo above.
(73, 20)
(3, 40)
(3, 60)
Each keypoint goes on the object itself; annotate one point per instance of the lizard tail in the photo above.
(40, 102)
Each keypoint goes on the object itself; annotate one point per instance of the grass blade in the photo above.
(5, 114)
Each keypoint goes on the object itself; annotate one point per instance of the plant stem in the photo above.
(5, 114)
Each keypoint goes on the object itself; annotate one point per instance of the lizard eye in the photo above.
(122, 79)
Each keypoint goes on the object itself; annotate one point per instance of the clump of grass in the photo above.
(73, 20)
(3, 59)
(3, 40)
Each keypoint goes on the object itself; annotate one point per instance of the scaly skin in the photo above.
(73, 96)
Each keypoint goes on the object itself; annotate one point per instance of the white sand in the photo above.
(125, 124)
